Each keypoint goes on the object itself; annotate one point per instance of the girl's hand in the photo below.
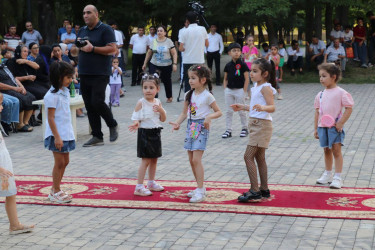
(58, 143)
(207, 123)
(175, 125)
(5, 173)
(237, 107)
(339, 126)
(316, 134)
(157, 108)
(258, 107)
(75, 81)
(144, 67)
(174, 68)
(134, 127)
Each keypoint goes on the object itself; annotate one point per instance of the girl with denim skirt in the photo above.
(197, 108)
(260, 127)
(147, 116)
(8, 188)
(59, 135)
(329, 122)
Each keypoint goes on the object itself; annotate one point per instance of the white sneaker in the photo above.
(325, 178)
(364, 66)
(198, 197)
(279, 97)
(142, 191)
(191, 193)
(155, 187)
(370, 65)
(336, 183)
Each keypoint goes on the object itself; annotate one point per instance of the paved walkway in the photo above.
(294, 157)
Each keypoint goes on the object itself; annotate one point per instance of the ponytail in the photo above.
(272, 74)
(202, 72)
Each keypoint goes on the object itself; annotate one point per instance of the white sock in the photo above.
(150, 182)
(201, 190)
(139, 186)
(328, 172)
(337, 175)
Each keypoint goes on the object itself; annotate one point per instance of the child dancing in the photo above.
(147, 115)
(329, 122)
(197, 107)
(260, 127)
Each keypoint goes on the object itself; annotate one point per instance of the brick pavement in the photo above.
(294, 157)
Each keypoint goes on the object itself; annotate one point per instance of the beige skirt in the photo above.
(260, 132)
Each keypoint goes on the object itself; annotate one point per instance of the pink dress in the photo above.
(252, 57)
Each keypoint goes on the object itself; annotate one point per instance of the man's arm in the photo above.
(109, 49)
(206, 42)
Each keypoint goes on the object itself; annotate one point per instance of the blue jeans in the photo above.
(11, 109)
(360, 52)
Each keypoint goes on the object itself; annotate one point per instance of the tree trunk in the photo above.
(252, 32)
(328, 21)
(260, 34)
(247, 31)
(309, 20)
(47, 21)
(281, 34)
(318, 21)
(272, 32)
(342, 14)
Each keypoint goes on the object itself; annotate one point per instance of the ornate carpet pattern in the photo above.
(288, 200)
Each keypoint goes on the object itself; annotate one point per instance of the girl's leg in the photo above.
(66, 162)
(58, 170)
(328, 158)
(142, 170)
(251, 167)
(190, 154)
(260, 157)
(152, 168)
(117, 95)
(336, 149)
(199, 171)
(11, 209)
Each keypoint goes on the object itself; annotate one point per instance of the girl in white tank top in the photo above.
(260, 127)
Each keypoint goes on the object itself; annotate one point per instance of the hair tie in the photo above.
(156, 75)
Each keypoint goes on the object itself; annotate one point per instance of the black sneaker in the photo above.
(113, 133)
(244, 132)
(94, 141)
(250, 196)
(265, 193)
(226, 134)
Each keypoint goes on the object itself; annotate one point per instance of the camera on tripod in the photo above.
(198, 8)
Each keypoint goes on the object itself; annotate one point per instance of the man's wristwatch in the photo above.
(93, 47)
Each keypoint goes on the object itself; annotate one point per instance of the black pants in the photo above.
(186, 77)
(137, 63)
(165, 77)
(93, 93)
(318, 60)
(295, 64)
(24, 100)
(37, 89)
(214, 56)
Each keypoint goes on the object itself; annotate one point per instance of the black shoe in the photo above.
(94, 141)
(265, 193)
(113, 133)
(250, 196)
(226, 134)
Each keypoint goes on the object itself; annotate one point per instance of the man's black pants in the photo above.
(214, 56)
(137, 63)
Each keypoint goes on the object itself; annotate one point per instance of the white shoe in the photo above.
(364, 66)
(336, 183)
(155, 187)
(325, 178)
(279, 97)
(198, 196)
(142, 191)
(191, 193)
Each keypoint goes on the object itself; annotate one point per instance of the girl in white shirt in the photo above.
(115, 82)
(260, 127)
(197, 108)
(147, 116)
(59, 135)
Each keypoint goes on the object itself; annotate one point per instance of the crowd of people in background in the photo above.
(25, 59)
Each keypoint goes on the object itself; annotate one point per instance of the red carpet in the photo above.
(307, 201)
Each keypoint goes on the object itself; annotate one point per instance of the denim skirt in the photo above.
(49, 143)
(198, 143)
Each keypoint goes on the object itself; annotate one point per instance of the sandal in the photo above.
(60, 197)
(25, 128)
(23, 229)
(226, 134)
(169, 100)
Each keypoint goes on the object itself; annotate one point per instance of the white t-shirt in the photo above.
(317, 47)
(151, 39)
(215, 43)
(258, 98)
(119, 39)
(61, 102)
(194, 38)
(146, 115)
(199, 106)
(282, 52)
(139, 43)
(115, 77)
(336, 34)
(347, 36)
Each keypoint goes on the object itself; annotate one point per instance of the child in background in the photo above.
(329, 122)
(59, 135)
(8, 187)
(266, 49)
(275, 57)
(260, 127)
(249, 51)
(282, 53)
(236, 82)
(348, 36)
(147, 115)
(115, 82)
(197, 107)
(6, 54)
